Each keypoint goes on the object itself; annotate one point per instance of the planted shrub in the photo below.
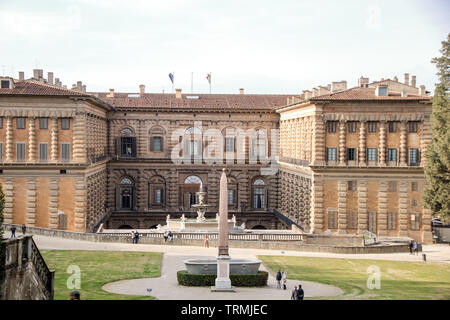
(237, 280)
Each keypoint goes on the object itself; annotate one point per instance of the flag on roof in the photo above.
(208, 77)
(171, 77)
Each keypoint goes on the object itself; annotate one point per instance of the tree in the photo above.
(437, 195)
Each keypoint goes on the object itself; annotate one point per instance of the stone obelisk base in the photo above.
(223, 282)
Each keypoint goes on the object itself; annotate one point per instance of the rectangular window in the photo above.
(331, 154)
(258, 198)
(392, 126)
(382, 91)
(195, 148)
(413, 126)
(331, 126)
(229, 144)
(392, 186)
(5, 84)
(372, 126)
(65, 151)
(414, 221)
(332, 219)
(20, 151)
(259, 147)
(372, 222)
(414, 187)
(231, 196)
(372, 154)
(351, 154)
(43, 123)
(126, 147)
(351, 126)
(159, 196)
(392, 154)
(157, 143)
(65, 123)
(20, 123)
(414, 157)
(351, 185)
(352, 220)
(392, 221)
(43, 152)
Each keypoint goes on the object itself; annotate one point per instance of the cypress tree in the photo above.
(437, 195)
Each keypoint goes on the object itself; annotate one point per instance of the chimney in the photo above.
(178, 93)
(50, 78)
(79, 86)
(141, 90)
(84, 88)
(363, 81)
(315, 92)
(21, 76)
(338, 86)
(57, 82)
(407, 79)
(422, 91)
(323, 90)
(307, 94)
(74, 87)
(413, 81)
(395, 79)
(241, 91)
(36, 74)
(111, 93)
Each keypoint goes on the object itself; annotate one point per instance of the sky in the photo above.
(277, 47)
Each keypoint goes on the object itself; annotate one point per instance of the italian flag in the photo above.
(208, 77)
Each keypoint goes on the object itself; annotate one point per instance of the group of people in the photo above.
(134, 237)
(413, 247)
(168, 236)
(297, 293)
(13, 230)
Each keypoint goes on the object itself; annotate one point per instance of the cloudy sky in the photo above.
(263, 46)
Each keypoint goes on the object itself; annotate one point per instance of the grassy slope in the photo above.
(99, 268)
(399, 279)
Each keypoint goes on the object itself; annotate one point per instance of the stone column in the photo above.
(425, 139)
(317, 141)
(382, 208)
(32, 139)
(362, 206)
(53, 203)
(8, 212)
(172, 193)
(80, 204)
(54, 140)
(382, 161)
(213, 190)
(403, 209)
(342, 206)
(317, 206)
(31, 202)
(142, 192)
(142, 139)
(342, 143)
(403, 143)
(362, 144)
(9, 140)
(79, 138)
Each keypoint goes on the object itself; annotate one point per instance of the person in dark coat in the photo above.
(294, 295)
(24, 229)
(74, 295)
(279, 276)
(416, 248)
(300, 292)
(410, 246)
(136, 237)
(13, 232)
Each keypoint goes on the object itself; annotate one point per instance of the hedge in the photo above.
(237, 280)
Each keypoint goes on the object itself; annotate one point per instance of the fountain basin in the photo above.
(209, 266)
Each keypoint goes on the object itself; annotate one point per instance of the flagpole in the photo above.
(210, 77)
(173, 82)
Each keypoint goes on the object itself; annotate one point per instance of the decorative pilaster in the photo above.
(362, 206)
(403, 208)
(362, 144)
(172, 195)
(79, 138)
(382, 139)
(317, 207)
(403, 144)
(342, 143)
(425, 139)
(213, 190)
(142, 192)
(382, 208)
(53, 203)
(342, 206)
(317, 141)
(142, 139)
(9, 198)
(31, 202)
(32, 139)
(80, 204)
(54, 140)
(9, 140)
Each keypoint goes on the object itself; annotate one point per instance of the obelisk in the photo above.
(223, 282)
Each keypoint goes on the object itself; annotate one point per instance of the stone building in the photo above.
(352, 159)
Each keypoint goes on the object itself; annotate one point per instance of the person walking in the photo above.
(284, 277)
(133, 237)
(24, 229)
(136, 237)
(300, 292)
(294, 295)
(416, 248)
(206, 240)
(13, 232)
(279, 276)
(410, 246)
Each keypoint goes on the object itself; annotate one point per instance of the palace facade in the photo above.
(349, 159)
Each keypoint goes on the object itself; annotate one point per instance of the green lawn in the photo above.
(100, 267)
(399, 280)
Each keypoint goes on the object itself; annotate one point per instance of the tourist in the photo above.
(279, 276)
(416, 247)
(410, 246)
(170, 236)
(74, 295)
(284, 277)
(136, 237)
(166, 235)
(133, 237)
(300, 292)
(13, 232)
(294, 295)
(24, 229)
(206, 240)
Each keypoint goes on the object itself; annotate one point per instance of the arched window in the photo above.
(193, 180)
(156, 192)
(126, 143)
(126, 131)
(259, 194)
(193, 197)
(229, 139)
(193, 130)
(126, 190)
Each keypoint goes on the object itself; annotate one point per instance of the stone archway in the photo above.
(192, 184)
